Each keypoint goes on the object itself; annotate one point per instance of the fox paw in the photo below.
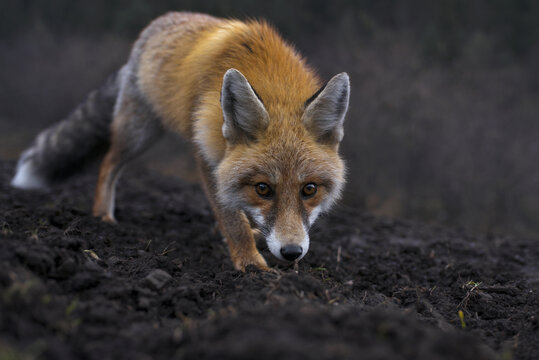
(108, 219)
(244, 262)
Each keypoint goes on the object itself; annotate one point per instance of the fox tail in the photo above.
(66, 146)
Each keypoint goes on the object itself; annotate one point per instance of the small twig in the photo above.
(474, 285)
(71, 227)
(148, 245)
(339, 250)
(364, 297)
(166, 250)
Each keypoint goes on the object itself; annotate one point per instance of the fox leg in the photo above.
(236, 229)
(133, 129)
(234, 226)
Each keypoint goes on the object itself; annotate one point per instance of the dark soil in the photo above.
(160, 284)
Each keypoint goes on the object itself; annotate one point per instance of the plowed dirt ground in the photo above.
(160, 285)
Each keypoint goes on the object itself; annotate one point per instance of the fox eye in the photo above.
(263, 190)
(308, 190)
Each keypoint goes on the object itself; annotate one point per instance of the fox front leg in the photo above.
(237, 231)
(233, 225)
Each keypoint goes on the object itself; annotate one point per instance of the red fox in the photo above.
(265, 130)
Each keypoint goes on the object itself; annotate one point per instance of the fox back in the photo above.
(182, 66)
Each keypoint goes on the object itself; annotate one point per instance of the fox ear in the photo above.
(244, 113)
(325, 110)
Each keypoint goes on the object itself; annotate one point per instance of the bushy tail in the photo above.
(65, 147)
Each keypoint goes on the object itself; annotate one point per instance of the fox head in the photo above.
(281, 168)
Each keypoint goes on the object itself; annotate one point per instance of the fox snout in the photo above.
(288, 248)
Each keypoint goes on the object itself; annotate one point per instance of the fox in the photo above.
(265, 130)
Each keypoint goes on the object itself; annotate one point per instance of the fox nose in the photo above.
(291, 252)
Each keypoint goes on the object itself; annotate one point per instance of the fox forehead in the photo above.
(282, 162)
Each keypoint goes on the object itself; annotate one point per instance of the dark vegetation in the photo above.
(160, 285)
(443, 123)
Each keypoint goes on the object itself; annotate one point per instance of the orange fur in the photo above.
(184, 88)
(176, 76)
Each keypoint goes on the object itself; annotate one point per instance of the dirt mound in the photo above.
(160, 284)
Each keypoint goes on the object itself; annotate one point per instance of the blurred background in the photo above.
(444, 118)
